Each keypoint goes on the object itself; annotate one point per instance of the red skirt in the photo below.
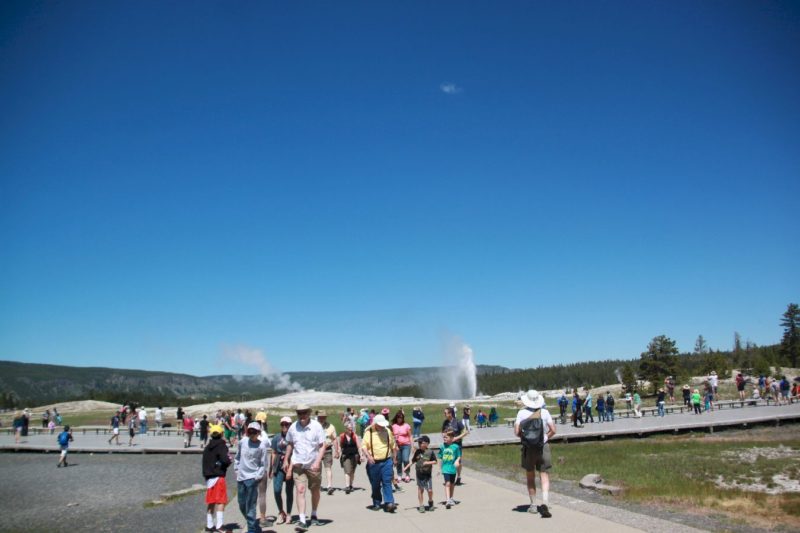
(218, 493)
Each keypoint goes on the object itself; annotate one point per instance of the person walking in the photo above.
(465, 418)
(188, 430)
(351, 454)
(114, 429)
(278, 472)
(740, 383)
(459, 432)
(304, 450)
(587, 406)
(250, 465)
(64, 438)
(142, 421)
(534, 426)
(601, 408)
(132, 427)
(450, 454)
(609, 406)
(637, 404)
(159, 417)
(380, 450)
(418, 418)
(216, 461)
(204, 431)
(660, 400)
(423, 460)
(331, 448)
(403, 437)
(696, 401)
(687, 396)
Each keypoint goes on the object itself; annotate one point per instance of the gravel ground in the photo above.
(99, 493)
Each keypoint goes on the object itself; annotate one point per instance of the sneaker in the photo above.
(458, 481)
(374, 507)
(447, 504)
(301, 526)
(534, 509)
(315, 521)
(421, 509)
(330, 491)
(347, 490)
(391, 507)
(544, 511)
(430, 506)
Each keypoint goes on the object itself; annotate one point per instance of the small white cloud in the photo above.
(450, 88)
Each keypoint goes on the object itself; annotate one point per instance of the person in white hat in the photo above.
(380, 450)
(251, 466)
(305, 448)
(534, 426)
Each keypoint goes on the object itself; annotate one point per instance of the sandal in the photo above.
(282, 519)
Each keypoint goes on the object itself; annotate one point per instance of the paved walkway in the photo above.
(487, 503)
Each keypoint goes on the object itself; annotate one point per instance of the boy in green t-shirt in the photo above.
(424, 459)
(450, 454)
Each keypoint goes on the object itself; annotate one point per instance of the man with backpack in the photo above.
(534, 426)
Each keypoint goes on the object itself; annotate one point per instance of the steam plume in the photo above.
(255, 357)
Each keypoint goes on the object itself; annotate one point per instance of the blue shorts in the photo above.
(449, 478)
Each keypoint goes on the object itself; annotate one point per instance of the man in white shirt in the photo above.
(142, 421)
(159, 416)
(713, 380)
(534, 457)
(305, 446)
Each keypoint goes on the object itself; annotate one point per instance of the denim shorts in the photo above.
(425, 483)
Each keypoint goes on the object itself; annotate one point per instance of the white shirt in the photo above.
(306, 442)
(159, 414)
(547, 419)
(713, 380)
(142, 414)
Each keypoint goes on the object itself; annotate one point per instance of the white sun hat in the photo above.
(532, 399)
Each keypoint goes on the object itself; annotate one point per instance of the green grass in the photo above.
(674, 471)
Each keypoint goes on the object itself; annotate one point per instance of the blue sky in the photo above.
(349, 185)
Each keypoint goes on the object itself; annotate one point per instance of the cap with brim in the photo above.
(686, 386)
(286, 420)
(532, 399)
(322, 413)
(215, 429)
(380, 420)
(302, 407)
(254, 425)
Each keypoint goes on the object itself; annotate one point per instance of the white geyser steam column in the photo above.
(460, 379)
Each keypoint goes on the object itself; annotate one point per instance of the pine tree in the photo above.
(790, 344)
(659, 361)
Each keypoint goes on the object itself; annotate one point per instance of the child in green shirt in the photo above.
(450, 454)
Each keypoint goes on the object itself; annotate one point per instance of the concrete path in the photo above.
(487, 503)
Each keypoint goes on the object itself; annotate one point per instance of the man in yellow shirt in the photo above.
(380, 449)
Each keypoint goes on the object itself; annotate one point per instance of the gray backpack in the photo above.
(532, 430)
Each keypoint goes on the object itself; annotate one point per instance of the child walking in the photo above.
(216, 460)
(64, 438)
(423, 460)
(450, 454)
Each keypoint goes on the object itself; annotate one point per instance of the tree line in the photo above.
(660, 359)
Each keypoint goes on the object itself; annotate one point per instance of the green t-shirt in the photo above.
(696, 398)
(448, 454)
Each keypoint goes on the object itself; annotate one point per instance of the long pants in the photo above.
(697, 409)
(610, 413)
(589, 417)
(143, 427)
(660, 408)
(403, 458)
(277, 485)
(417, 430)
(380, 479)
(248, 496)
(601, 414)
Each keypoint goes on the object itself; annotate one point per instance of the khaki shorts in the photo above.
(539, 460)
(349, 464)
(304, 476)
(327, 459)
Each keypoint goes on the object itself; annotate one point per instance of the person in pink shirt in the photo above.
(188, 430)
(403, 437)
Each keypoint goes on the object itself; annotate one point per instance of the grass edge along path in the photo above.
(675, 473)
